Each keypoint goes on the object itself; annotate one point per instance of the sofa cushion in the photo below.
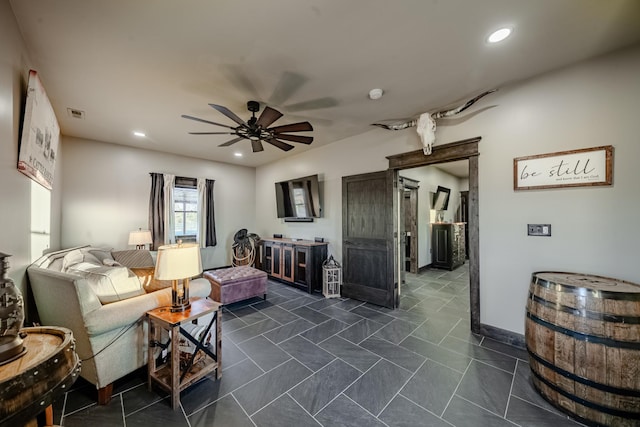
(110, 284)
(134, 258)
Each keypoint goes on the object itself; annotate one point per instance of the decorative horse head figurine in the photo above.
(426, 123)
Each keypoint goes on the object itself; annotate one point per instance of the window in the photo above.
(185, 205)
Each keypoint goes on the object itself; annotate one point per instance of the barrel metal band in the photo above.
(586, 403)
(632, 320)
(582, 380)
(585, 337)
(595, 293)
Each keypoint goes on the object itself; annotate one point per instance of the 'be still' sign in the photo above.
(576, 168)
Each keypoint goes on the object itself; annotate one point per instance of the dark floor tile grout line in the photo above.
(487, 410)
(403, 386)
(365, 409)
(242, 407)
(428, 410)
(513, 380)
(90, 405)
(449, 332)
(455, 390)
(354, 367)
(124, 421)
(298, 403)
(283, 393)
(343, 390)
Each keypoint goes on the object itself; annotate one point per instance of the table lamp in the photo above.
(178, 263)
(139, 238)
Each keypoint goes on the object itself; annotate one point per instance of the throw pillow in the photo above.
(76, 256)
(134, 258)
(110, 284)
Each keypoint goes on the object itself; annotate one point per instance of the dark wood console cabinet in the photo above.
(447, 245)
(295, 262)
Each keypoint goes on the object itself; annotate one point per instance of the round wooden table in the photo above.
(29, 384)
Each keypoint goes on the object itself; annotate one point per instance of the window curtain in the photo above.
(169, 219)
(156, 210)
(210, 219)
(202, 212)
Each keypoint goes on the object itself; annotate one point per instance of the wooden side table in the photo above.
(170, 375)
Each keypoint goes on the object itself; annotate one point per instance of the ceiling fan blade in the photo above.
(206, 121)
(228, 113)
(293, 127)
(256, 145)
(288, 85)
(212, 133)
(281, 145)
(295, 138)
(268, 116)
(233, 141)
(314, 104)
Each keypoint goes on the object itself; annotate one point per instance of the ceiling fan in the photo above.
(257, 129)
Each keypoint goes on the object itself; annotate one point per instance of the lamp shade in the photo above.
(179, 261)
(140, 237)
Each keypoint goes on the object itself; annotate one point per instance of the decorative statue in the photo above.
(11, 316)
(426, 123)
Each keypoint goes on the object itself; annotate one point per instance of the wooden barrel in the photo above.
(583, 337)
(30, 383)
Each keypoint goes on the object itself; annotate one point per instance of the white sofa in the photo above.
(70, 288)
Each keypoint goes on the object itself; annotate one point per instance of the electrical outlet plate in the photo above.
(539, 230)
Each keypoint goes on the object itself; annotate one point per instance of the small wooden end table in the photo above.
(170, 375)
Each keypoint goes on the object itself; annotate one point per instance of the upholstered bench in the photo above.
(236, 284)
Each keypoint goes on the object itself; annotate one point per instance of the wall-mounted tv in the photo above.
(298, 199)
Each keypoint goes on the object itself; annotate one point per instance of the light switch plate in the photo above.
(539, 230)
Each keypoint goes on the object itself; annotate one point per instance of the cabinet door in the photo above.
(441, 243)
(276, 260)
(287, 263)
(301, 259)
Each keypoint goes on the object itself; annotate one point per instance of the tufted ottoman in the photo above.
(237, 283)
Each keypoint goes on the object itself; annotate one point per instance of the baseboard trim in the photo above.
(424, 268)
(502, 335)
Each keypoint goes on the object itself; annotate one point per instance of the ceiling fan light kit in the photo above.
(257, 129)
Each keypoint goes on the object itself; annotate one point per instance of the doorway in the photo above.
(410, 208)
(465, 149)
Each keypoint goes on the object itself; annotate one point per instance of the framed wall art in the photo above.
(575, 168)
(40, 135)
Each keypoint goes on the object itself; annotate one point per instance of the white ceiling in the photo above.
(138, 65)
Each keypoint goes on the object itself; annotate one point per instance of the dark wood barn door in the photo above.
(367, 238)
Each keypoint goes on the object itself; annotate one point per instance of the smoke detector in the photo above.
(375, 93)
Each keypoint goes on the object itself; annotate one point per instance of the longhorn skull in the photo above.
(426, 123)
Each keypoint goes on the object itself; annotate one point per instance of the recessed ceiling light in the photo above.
(139, 134)
(237, 154)
(375, 93)
(499, 35)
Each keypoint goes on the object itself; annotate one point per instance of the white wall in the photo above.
(17, 192)
(106, 194)
(595, 229)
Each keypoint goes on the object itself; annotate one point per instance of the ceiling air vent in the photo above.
(75, 113)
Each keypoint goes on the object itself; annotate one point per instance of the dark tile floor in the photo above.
(302, 360)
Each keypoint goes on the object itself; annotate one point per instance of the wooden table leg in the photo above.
(151, 350)
(175, 367)
(48, 416)
(218, 315)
